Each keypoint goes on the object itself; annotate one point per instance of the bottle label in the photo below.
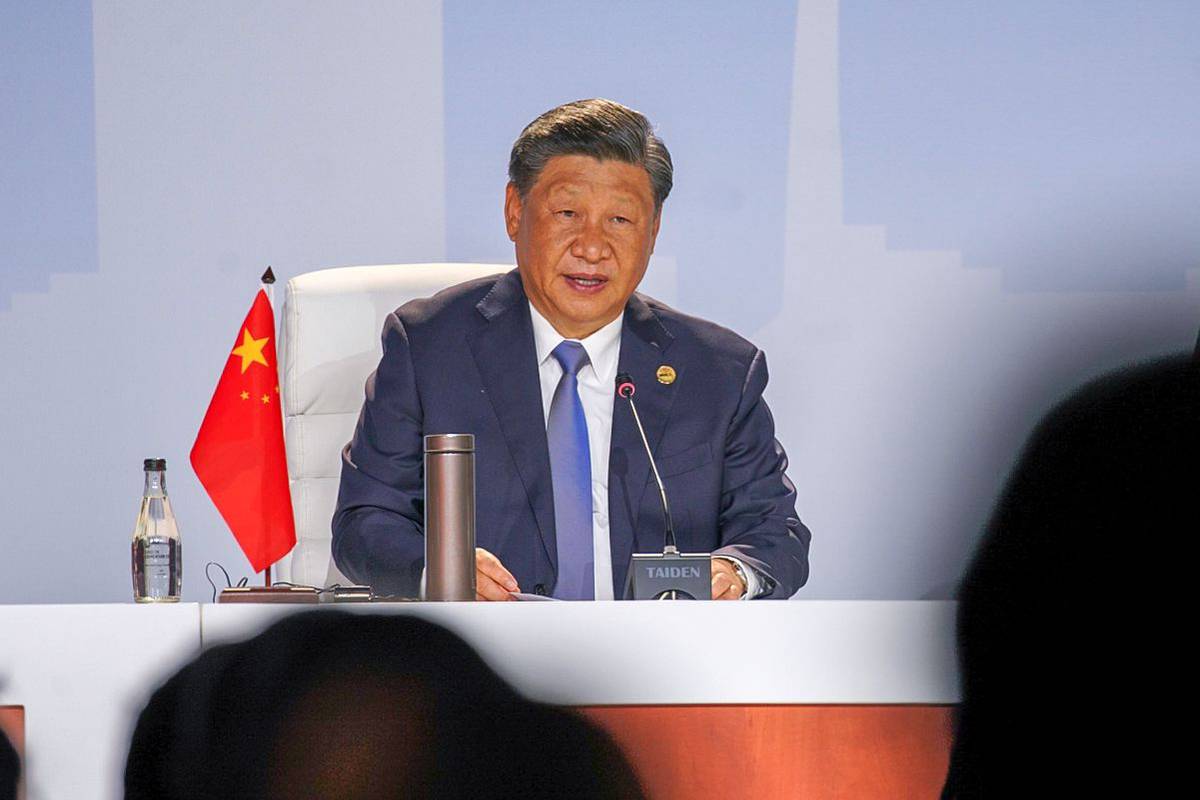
(156, 566)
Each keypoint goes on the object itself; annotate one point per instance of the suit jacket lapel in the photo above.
(504, 353)
(644, 344)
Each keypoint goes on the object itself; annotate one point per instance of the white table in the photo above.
(82, 672)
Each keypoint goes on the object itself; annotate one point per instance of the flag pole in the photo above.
(268, 285)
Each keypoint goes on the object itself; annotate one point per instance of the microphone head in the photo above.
(625, 387)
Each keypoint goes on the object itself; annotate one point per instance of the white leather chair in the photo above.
(329, 343)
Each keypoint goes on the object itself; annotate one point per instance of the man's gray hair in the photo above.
(599, 128)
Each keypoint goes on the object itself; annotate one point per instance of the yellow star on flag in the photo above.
(245, 395)
(251, 350)
(266, 398)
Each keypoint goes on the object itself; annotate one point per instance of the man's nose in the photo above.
(590, 245)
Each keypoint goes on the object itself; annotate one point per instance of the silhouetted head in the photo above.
(358, 707)
(1072, 611)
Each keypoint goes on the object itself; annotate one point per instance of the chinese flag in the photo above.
(239, 455)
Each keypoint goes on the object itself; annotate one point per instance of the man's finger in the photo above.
(488, 589)
(721, 583)
(489, 565)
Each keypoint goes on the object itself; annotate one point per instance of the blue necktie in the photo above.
(571, 472)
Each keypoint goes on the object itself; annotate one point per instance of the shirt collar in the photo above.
(603, 347)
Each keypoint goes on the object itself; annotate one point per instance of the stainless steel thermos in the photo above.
(450, 516)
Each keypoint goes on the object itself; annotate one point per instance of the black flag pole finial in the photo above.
(268, 277)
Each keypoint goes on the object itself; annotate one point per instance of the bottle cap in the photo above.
(154, 464)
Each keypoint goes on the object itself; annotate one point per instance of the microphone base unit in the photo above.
(670, 575)
(269, 594)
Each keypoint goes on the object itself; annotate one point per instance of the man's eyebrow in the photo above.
(628, 197)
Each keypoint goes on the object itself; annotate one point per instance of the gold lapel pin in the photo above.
(665, 375)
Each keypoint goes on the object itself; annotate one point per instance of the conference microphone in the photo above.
(669, 575)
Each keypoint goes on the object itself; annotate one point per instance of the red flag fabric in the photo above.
(239, 455)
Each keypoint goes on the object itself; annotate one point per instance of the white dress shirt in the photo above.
(597, 391)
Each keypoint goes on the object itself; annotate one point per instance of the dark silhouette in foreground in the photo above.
(10, 769)
(1072, 612)
(357, 707)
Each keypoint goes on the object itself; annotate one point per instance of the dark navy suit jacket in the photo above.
(463, 362)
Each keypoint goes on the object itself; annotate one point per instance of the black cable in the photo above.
(208, 578)
(228, 581)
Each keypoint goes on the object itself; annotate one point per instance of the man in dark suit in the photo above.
(526, 362)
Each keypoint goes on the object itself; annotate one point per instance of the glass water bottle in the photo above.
(157, 556)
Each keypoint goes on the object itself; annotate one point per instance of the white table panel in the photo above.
(83, 672)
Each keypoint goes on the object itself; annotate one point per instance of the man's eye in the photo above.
(566, 213)
(621, 220)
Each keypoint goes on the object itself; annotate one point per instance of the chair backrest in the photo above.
(330, 342)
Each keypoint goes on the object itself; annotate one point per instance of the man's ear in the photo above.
(512, 210)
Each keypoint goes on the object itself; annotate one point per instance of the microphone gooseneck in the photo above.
(626, 389)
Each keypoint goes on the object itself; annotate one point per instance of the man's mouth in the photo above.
(586, 283)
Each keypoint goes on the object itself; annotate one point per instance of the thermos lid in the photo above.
(450, 443)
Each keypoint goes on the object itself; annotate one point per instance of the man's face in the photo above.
(583, 235)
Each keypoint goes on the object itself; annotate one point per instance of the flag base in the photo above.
(269, 594)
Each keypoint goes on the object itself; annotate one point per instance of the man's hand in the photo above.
(492, 580)
(726, 583)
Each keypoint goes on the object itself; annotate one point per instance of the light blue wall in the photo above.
(47, 152)
(1056, 141)
(935, 217)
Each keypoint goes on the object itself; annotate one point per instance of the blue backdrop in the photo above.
(935, 217)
